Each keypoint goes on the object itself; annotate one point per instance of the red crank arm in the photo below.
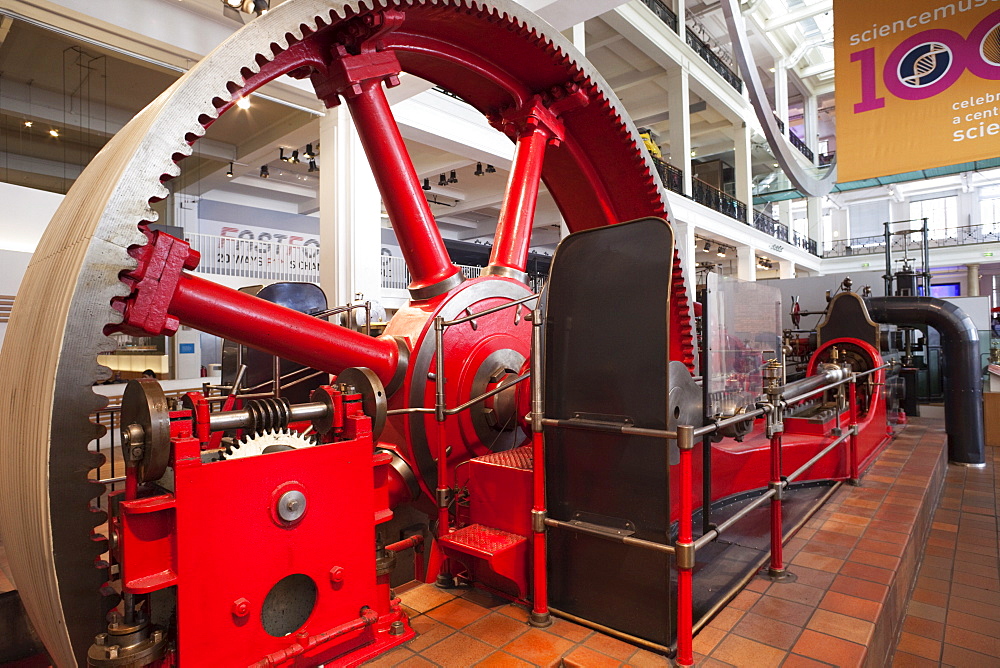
(163, 296)
(281, 331)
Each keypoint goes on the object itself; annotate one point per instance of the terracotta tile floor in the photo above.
(853, 562)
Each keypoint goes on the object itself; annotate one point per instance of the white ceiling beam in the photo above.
(798, 14)
(816, 70)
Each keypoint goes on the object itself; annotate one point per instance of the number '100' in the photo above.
(928, 63)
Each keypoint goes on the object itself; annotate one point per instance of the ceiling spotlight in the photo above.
(708, 247)
(243, 103)
(312, 166)
(235, 4)
(442, 181)
(54, 132)
(28, 124)
(281, 154)
(776, 165)
(721, 252)
(427, 184)
(694, 154)
(295, 157)
(308, 153)
(264, 173)
(479, 169)
(230, 172)
(453, 178)
(490, 169)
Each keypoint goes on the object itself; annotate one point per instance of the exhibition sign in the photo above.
(918, 85)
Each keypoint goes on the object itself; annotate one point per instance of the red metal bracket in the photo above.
(541, 112)
(153, 283)
(347, 71)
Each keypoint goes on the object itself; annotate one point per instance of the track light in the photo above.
(479, 169)
(281, 154)
(721, 252)
(230, 172)
(28, 124)
(308, 153)
(442, 181)
(490, 169)
(427, 184)
(708, 246)
(295, 157)
(312, 166)
(264, 173)
(54, 133)
(243, 103)
(453, 178)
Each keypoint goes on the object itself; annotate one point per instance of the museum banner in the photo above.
(918, 85)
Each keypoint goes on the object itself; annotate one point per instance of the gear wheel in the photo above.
(268, 442)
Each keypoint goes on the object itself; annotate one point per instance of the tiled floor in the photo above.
(953, 617)
(472, 628)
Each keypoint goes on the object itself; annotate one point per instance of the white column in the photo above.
(898, 210)
(841, 224)
(685, 243)
(785, 213)
(679, 106)
(580, 38)
(746, 263)
(814, 214)
(811, 125)
(681, 11)
(972, 281)
(781, 91)
(786, 269)
(744, 164)
(350, 217)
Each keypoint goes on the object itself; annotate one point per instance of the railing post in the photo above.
(852, 401)
(772, 375)
(540, 616)
(685, 550)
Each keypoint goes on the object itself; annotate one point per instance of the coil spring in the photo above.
(269, 414)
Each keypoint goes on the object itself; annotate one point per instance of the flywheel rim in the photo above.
(48, 418)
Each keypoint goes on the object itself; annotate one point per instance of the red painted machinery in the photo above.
(281, 557)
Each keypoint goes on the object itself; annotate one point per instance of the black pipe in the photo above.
(963, 385)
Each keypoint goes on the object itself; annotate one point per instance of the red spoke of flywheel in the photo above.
(408, 210)
(513, 235)
(279, 330)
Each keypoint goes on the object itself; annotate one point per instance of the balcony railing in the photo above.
(396, 276)
(827, 158)
(672, 178)
(714, 198)
(780, 231)
(781, 123)
(801, 145)
(663, 13)
(709, 56)
(956, 236)
(257, 260)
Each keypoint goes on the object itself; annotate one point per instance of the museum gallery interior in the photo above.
(461, 333)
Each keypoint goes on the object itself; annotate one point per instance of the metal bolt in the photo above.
(337, 574)
(111, 652)
(136, 453)
(157, 636)
(292, 505)
(241, 607)
(397, 628)
(133, 435)
(100, 638)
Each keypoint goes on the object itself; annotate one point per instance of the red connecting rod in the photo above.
(163, 296)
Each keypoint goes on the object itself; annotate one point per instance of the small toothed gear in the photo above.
(257, 444)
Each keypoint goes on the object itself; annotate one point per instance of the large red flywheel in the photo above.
(83, 283)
